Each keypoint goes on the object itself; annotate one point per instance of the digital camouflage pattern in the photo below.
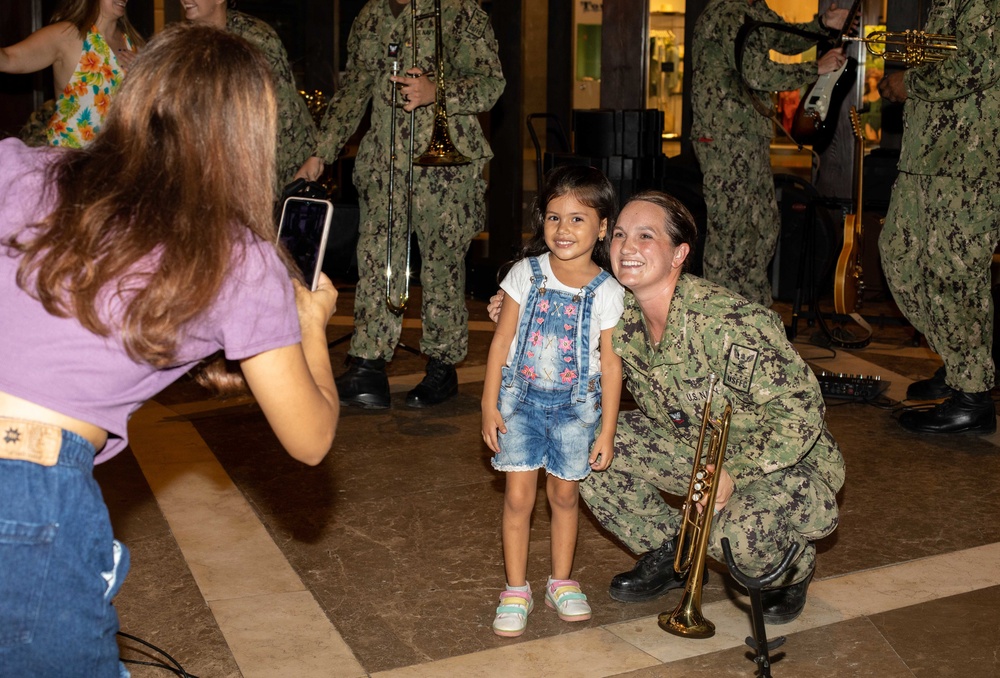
(943, 222)
(937, 249)
(733, 139)
(448, 202)
(296, 129)
(952, 113)
(743, 221)
(786, 466)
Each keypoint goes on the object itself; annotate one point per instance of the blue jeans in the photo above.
(547, 429)
(60, 565)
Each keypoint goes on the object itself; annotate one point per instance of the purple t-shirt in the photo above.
(57, 363)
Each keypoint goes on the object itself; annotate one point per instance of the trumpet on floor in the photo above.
(910, 48)
(692, 542)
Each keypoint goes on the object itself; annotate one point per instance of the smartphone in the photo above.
(303, 230)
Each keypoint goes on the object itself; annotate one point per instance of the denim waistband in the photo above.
(44, 444)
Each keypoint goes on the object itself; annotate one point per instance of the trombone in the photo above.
(692, 549)
(441, 152)
(910, 48)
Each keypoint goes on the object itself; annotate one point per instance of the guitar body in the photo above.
(847, 278)
(816, 117)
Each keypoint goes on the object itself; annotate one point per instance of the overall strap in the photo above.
(586, 296)
(527, 312)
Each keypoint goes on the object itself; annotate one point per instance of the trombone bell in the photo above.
(441, 152)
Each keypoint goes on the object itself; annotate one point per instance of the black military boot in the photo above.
(651, 577)
(962, 412)
(364, 384)
(784, 604)
(439, 384)
(930, 389)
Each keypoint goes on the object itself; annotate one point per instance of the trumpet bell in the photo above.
(686, 621)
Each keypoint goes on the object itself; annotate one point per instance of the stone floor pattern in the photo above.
(386, 560)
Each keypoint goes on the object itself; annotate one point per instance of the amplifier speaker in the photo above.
(807, 223)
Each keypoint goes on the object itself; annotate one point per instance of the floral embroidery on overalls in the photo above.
(556, 326)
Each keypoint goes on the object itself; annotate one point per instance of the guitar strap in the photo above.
(750, 26)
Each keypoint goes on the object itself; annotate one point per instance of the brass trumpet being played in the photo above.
(910, 48)
(692, 543)
(440, 152)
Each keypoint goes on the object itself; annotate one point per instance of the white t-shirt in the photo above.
(605, 311)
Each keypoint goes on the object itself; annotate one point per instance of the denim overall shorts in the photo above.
(548, 402)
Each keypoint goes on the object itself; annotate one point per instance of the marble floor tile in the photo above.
(386, 558)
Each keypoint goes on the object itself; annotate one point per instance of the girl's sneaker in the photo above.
(512, 614)
(564, 596)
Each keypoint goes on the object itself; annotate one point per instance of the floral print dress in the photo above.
(84, 102)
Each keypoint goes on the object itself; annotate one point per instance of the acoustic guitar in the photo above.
(848, 281)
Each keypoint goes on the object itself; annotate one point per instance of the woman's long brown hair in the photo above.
(83, 14)
(153, 211)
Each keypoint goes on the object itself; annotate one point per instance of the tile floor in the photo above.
(385, 560)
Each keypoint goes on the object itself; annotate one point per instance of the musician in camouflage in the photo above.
(296, 129)
(448, 207)
(782, 467)
(732, 137)
(943, 223)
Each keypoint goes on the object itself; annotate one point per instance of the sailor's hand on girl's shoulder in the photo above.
(125, 57)
(315, 307)
(496, 301)
(492, 422)
(602, 453)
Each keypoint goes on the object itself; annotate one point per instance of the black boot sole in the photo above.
(628, 597)
(631, 597)
(367, 401)
(418, 402)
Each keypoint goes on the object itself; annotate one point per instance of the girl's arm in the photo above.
(41, 49)
(502, 338)
(611, 395)
(294, 384)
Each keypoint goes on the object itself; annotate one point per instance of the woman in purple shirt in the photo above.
(122, 266)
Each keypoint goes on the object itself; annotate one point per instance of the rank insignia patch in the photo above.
(477, 24)
(740, 367)
(393, 50)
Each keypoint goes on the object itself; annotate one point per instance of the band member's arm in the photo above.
(348, 106)
(975, 65)
(474, 77)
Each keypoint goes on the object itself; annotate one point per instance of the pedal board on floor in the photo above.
(851, 386)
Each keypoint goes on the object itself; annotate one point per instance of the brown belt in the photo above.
(33, 441)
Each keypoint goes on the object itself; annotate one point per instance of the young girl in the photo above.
(550, 376)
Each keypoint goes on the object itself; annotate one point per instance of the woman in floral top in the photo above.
(89, 44)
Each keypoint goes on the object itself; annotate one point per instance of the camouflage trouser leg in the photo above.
(937, 248)
(449, 210)
(761, 521)
(743, 218)
(447, 213)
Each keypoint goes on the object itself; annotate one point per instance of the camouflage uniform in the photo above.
(786, 466)
(448, 202)
(733, 139)
(296, 128)
(943, 223)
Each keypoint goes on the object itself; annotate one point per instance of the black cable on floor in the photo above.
(179, 670)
